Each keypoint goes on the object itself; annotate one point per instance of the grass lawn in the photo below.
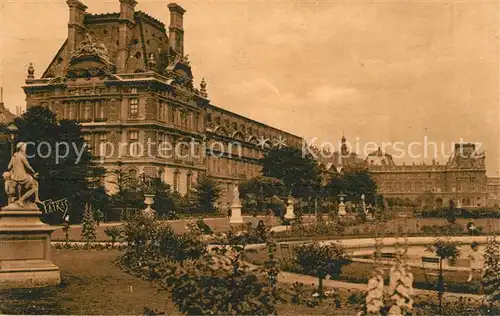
(91, 284)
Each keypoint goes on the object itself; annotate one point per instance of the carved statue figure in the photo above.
(20, 183)
(89, 46)
(236, 195)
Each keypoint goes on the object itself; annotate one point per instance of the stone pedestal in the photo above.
(290, 215)
(25, 249)
(236, 217)
(342, 211)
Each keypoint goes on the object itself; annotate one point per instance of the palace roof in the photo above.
(5, 116)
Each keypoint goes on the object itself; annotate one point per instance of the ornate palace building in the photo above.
(462, 179)
(126, 78)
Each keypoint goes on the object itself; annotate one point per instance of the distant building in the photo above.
(126, 78)
(493, 186)
(461, 180)
(6, 117)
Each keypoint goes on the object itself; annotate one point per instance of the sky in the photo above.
(374, 71)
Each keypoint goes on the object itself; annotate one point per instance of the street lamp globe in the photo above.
(12, 132)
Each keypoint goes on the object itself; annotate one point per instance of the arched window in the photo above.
(189, 180)
(161, 175)
(176, 180)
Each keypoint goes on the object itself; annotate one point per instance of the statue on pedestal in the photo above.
(25, 239)
(20, 183)
(236, 217)
(236, 195)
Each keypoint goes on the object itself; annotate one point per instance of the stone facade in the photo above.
(462, 179)
(126, 78)
(493, 187)
(6, 117)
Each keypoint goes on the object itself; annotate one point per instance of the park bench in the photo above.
(388, 255)
(286, 252)
(431, 263)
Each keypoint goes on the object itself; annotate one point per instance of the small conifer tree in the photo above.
(490, 278)
(88, 226)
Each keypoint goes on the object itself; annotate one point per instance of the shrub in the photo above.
(321, 260)
(462, 213)
(205, 229)
(219, 284)
(114, 233)
(447, 230)
(149, 244)
(445, 249)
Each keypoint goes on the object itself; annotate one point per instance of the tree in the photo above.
(336, 185)
(298, 171)
(444, 249)
(220, 283)
(63, 173)
(205, 194)
(261, 193)
(321, 260)
(357, 183)
(490, 278)
(88, 226)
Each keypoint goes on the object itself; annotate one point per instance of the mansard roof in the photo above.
(148, 36)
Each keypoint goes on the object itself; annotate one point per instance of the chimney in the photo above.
(76, 28)
(176, 31)
(127, 8)
(127, 20)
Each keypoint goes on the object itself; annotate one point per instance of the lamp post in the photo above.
(12, 129)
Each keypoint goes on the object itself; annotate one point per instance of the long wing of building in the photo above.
(126, 78)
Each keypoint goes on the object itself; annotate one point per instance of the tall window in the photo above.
(161, 175)
(88, 111)
(133, 135)
(173, 114)
(66, 111)
(102, 110)
(160, 111)
(176, 180)
(134, 144)
(184, 118)
(72, 111)
(196, 122)
(131, 179)
(189, 179)
(134, 108)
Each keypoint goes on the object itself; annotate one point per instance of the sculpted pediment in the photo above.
(89, 59)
